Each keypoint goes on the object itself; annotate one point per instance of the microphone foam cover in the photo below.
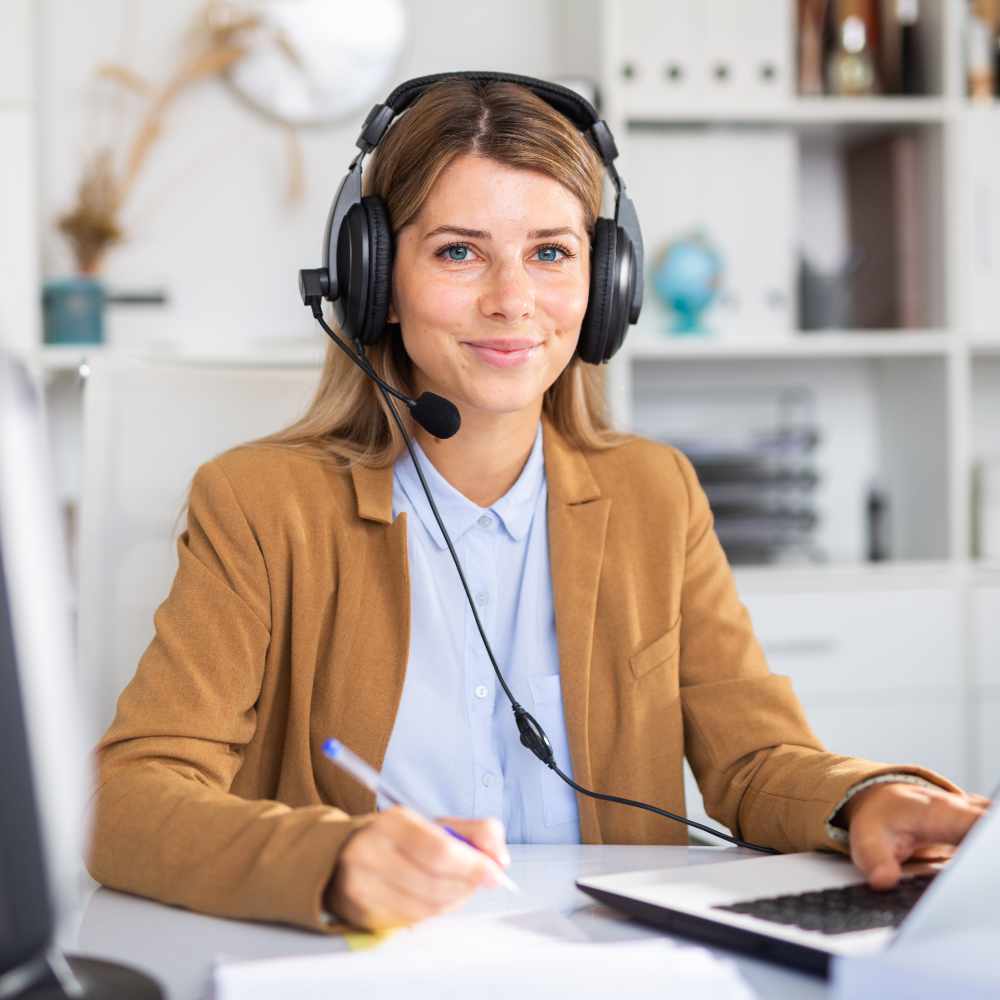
(437, 415)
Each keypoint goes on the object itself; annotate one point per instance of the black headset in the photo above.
(358, 236)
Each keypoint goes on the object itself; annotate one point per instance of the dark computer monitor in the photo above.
(26, 920)
(44, 753)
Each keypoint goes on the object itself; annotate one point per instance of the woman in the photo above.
(315, 597)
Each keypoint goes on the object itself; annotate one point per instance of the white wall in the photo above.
(207, 221)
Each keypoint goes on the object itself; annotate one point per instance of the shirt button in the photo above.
(488, 778)
(482, 598)
(485, 521)
(481, 691)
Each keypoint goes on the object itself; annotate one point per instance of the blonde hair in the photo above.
(348, 419)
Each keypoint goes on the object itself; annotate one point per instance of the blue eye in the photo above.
(457, 252)
(555, 248)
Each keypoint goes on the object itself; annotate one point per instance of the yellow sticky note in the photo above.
(361, 940)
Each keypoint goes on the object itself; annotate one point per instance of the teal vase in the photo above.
(74, 310)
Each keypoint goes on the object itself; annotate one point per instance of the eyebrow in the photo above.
(482, 234)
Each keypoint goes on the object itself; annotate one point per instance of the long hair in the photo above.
(348, 419)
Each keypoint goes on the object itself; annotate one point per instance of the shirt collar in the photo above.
(568, 477)
(514, 509)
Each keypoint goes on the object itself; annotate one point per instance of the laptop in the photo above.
(802, 910)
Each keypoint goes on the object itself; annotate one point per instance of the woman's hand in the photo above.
(892, 823)
(401, 868)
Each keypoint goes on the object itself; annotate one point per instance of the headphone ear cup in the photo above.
(592, 346)
(379, 270)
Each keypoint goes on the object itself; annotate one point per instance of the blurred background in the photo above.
(819, 187)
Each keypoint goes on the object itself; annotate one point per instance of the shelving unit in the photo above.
(916, 407)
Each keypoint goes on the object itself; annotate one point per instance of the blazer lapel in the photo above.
(577, 521)
(366, 699)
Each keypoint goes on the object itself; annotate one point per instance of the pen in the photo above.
(371, 779)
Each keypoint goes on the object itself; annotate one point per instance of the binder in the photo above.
(665, 173)
(686, 182)
(980, 299)
(751, 212)
(748, 52)
(662, 61)
(887, 212)
(682, 52)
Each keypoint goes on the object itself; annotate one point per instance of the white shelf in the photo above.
(647, 345)
(801, 111)
(69, 358)
(307, 358)
(66, 358)
(896, 574)
(988, 346)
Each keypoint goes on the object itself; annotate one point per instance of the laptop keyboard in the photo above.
(839, 911)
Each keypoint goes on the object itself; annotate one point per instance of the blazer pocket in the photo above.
(658, 652)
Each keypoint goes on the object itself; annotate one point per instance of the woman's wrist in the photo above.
(330, 901)
(839, 822)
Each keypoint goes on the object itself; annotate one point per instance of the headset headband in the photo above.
(567, 102)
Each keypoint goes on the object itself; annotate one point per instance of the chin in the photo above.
(494, 405)
(498, 397)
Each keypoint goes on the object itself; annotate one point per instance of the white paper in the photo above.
(545, 955)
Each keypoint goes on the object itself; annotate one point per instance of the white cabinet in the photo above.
(879, 671)
(863, 644)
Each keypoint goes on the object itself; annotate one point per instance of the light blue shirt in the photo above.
(454, 748)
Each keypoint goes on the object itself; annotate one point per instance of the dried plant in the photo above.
(217, 40)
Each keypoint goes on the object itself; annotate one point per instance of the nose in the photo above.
(509, 294)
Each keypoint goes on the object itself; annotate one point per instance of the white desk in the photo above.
(177, 947)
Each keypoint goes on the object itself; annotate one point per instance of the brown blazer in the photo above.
(288, 622)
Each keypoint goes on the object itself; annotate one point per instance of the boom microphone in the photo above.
(437, 415)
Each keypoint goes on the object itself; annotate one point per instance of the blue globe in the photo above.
(687, 281)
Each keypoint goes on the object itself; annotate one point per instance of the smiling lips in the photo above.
(504, 353)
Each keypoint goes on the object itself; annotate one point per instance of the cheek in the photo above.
(566, 304)
(431, 313)
(427, 300)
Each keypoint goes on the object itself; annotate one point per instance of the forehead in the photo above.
(477, 193)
